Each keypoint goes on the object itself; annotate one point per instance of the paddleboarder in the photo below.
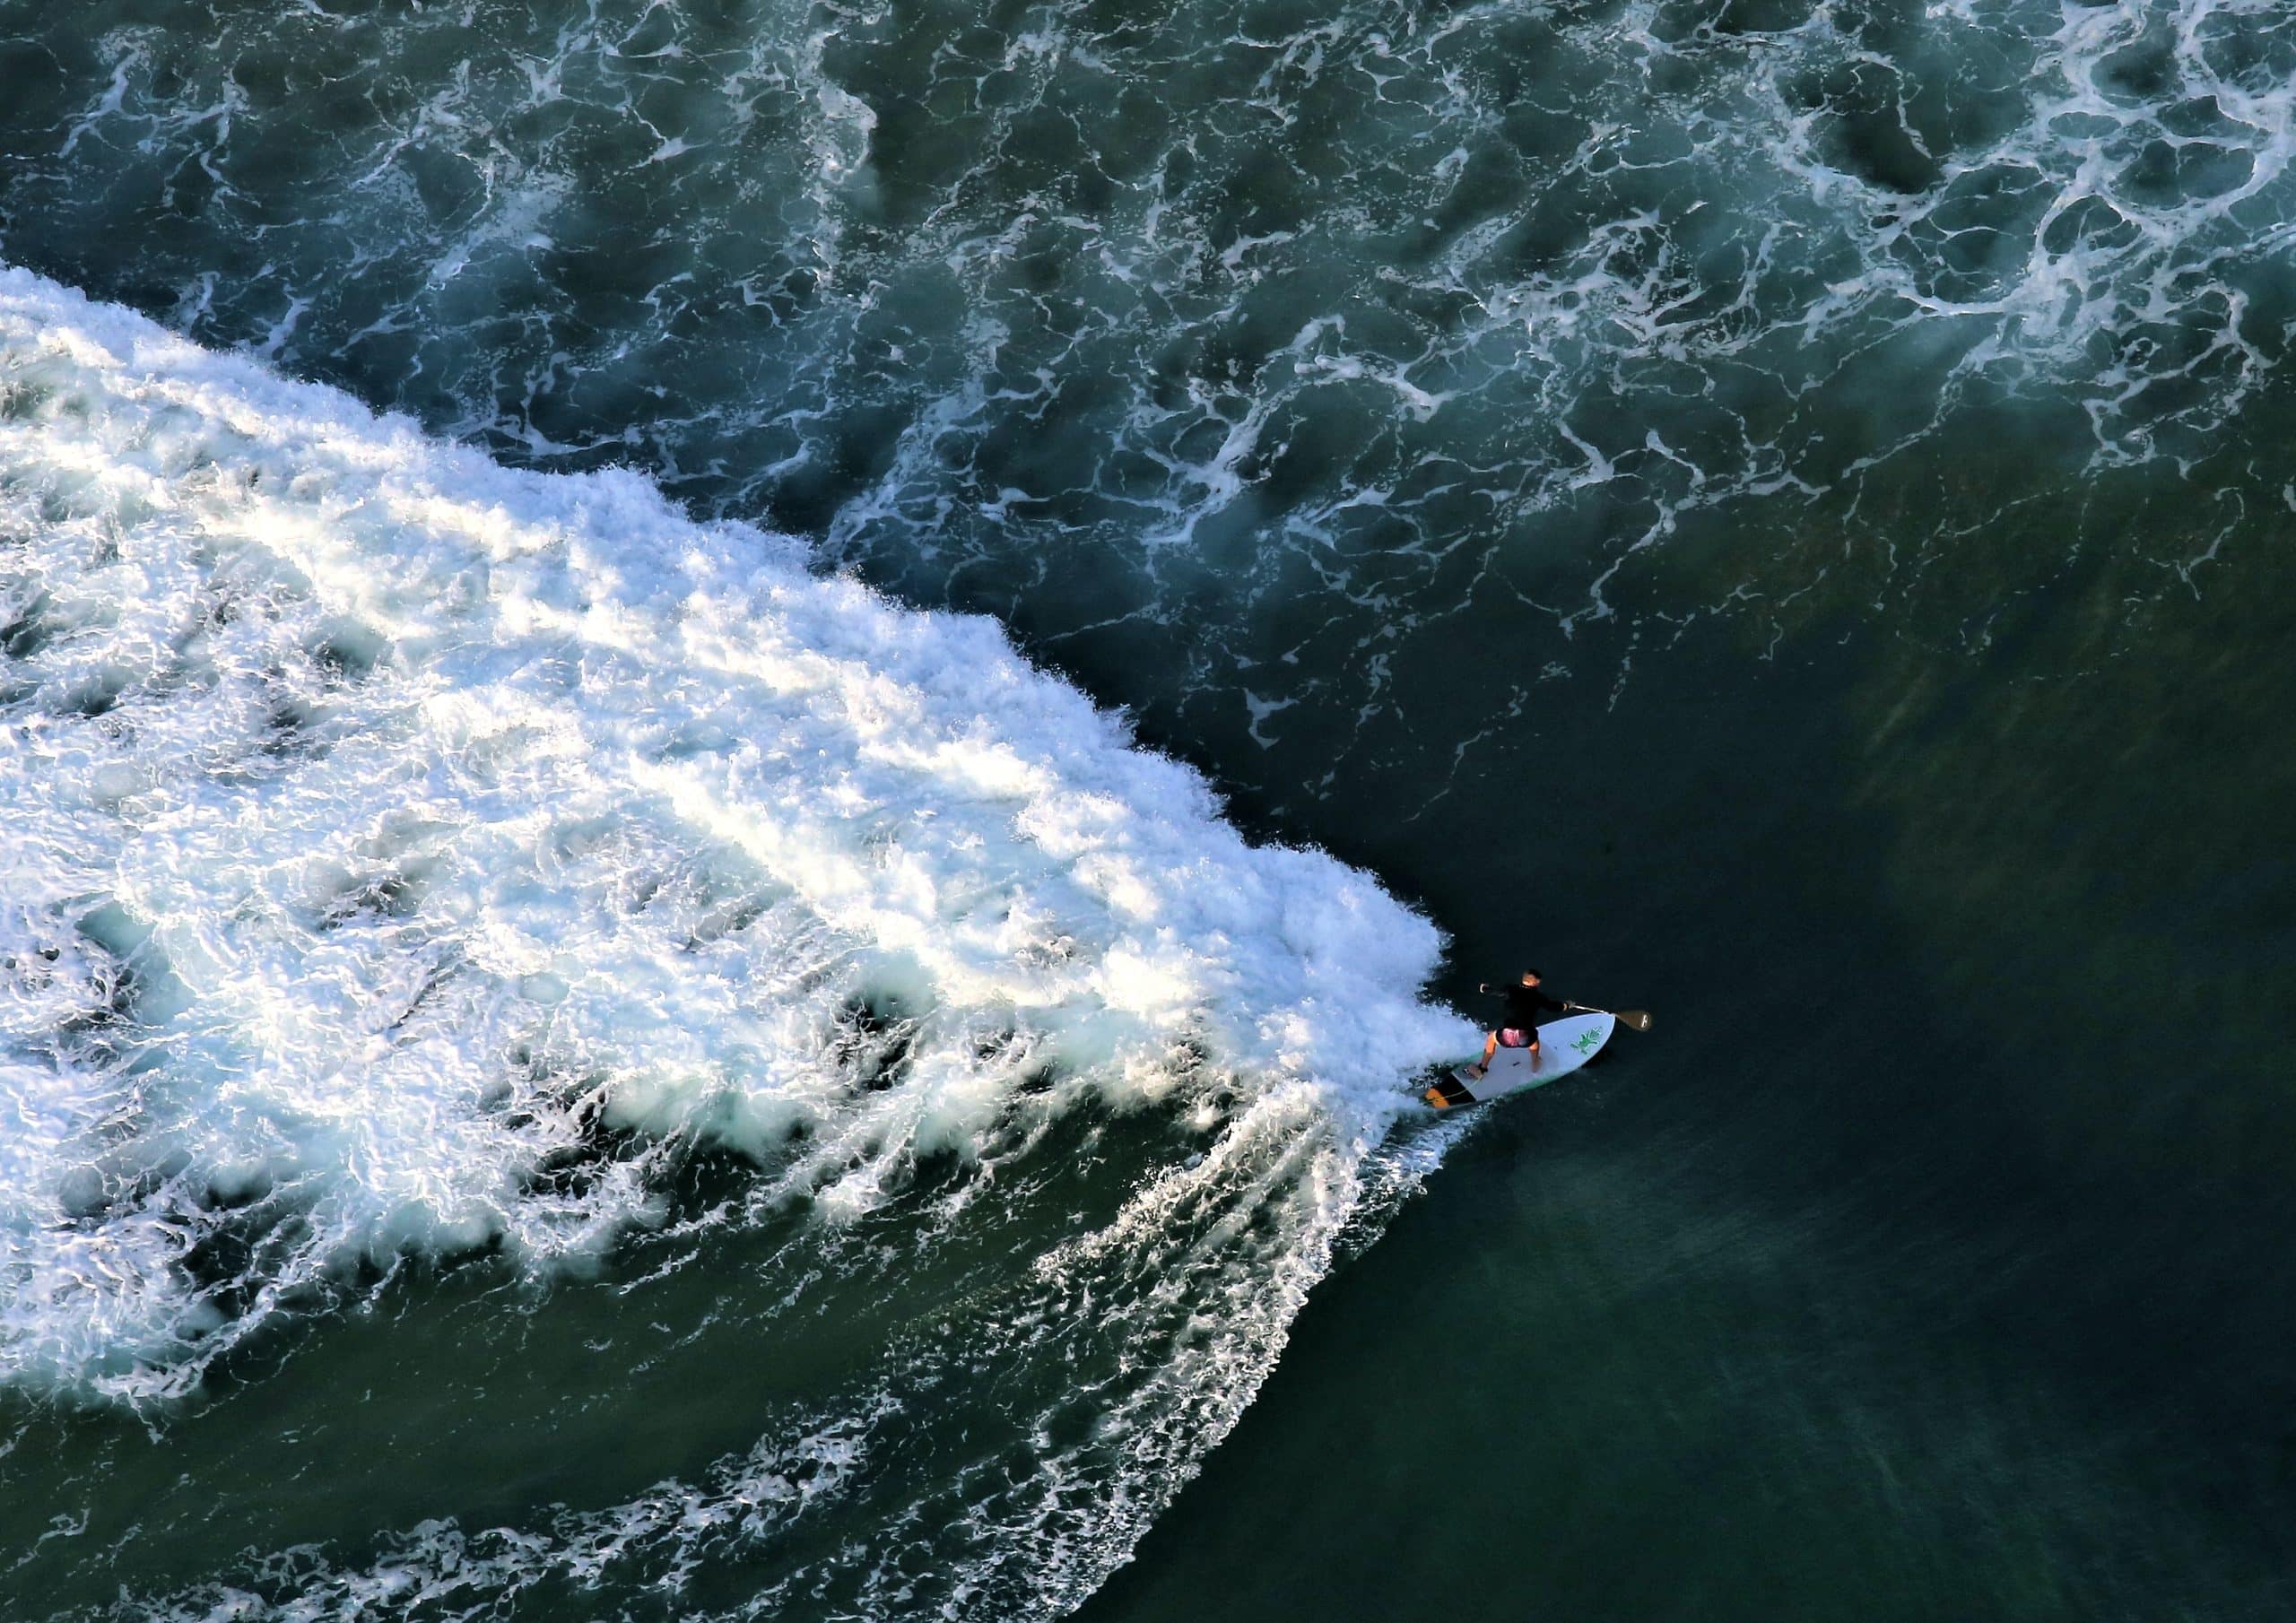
(1518, 1028)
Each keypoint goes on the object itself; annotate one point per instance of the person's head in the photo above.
(1530, 977)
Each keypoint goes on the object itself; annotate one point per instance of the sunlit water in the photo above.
(780, 1107)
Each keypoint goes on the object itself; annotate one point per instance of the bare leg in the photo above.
(1489, 1048)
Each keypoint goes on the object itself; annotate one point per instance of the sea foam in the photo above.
(384, 830)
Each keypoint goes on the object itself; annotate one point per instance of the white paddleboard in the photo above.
(1564, 1045)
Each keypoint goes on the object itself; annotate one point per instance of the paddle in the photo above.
(1633, 1020)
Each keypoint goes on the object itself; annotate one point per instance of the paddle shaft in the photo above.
(1633, 1020)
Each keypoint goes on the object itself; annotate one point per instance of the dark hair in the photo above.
(1533, 975)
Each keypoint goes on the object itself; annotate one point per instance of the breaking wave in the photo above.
(408, 857)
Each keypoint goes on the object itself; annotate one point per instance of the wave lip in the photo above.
(385, 824)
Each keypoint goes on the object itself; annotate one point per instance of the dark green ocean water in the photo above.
(1778, 512)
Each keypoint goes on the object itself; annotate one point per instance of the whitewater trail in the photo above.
(406, 856)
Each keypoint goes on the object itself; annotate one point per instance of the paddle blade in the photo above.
(1639, 1019)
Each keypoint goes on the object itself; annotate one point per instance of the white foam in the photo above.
(380, 822)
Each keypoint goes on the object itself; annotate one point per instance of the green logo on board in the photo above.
(1587, 1041)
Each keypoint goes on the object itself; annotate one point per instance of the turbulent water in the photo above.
(549, 907)
(1204, 337)
(410, 856)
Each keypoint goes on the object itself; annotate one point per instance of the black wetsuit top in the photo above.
(1526, 1006)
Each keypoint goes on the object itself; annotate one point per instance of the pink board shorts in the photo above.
(1514, 1036)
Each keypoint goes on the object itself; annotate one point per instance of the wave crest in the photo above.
(409, 855)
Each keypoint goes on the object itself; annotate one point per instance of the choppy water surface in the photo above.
(560, 1054)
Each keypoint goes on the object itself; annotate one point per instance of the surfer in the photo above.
(1518, 1028)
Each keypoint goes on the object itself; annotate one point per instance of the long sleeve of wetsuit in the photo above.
(1526, 1006)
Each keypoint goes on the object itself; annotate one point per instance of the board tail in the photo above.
(1447, 1091)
